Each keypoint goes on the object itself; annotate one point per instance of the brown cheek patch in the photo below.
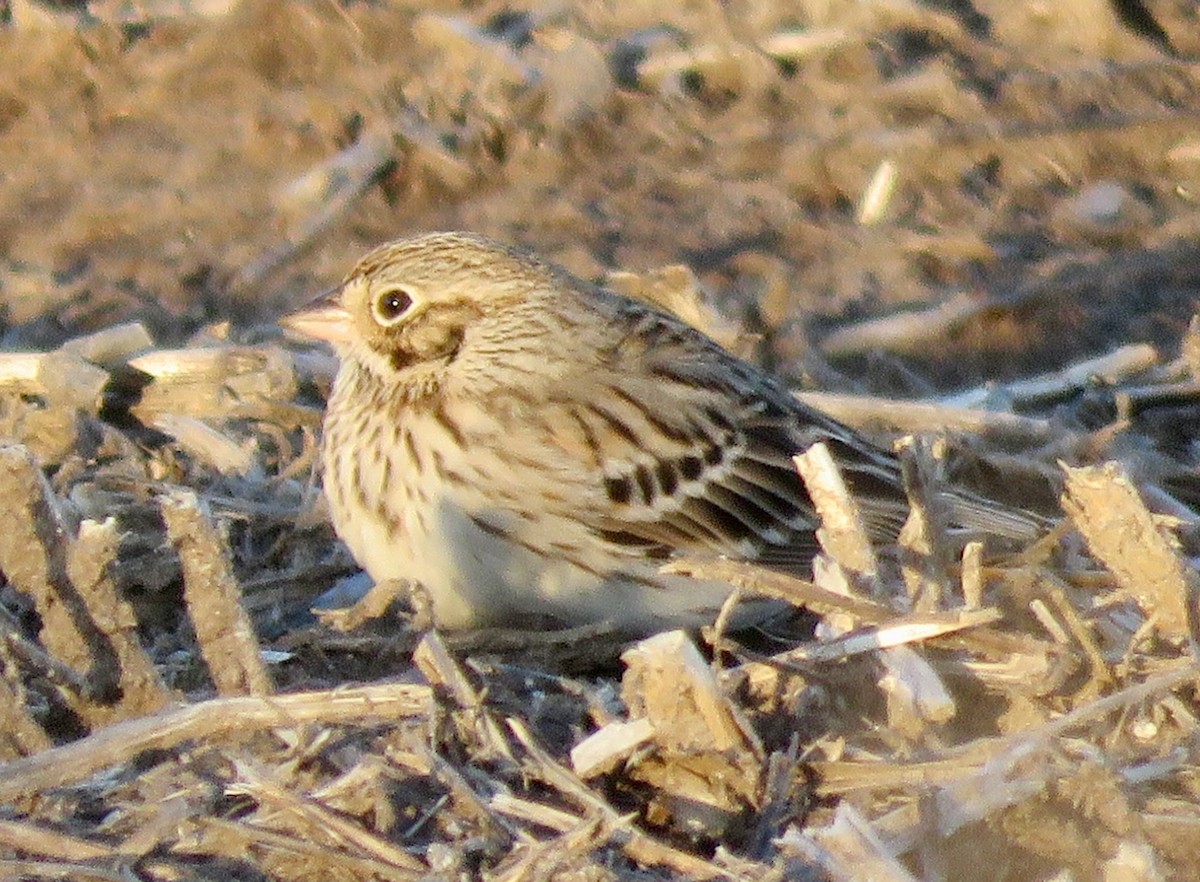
(441, 330)
(400, 359)
(435, 335)
(443, 345)
(453, 343)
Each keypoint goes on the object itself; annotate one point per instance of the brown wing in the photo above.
(692, 450)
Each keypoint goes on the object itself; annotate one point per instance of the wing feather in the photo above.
(691, 450)
(695, 448)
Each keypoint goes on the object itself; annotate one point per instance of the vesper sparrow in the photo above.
(518, 441)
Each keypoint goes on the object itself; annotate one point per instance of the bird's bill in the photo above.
(323, 319)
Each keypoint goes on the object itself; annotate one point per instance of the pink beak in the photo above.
(323, 319)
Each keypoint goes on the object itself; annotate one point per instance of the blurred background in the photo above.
(1035, 167)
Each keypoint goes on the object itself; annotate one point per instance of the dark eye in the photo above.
(391, 305)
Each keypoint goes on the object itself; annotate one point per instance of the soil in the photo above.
(902, 199)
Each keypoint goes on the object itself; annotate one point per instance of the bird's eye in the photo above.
(391, 305)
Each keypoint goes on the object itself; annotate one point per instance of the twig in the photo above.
(910, 629)
(906, 331)
(917, 417)
(31, 839)
(1111, 368)
(315, 822)
(234, 839)
(636, 844)
(443, 672)
(928, 417)
(214, 719)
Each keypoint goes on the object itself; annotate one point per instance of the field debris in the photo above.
(991, 678)
(1123, 535)
(970, 223)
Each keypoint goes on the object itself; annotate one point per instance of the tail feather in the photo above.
(994, 518)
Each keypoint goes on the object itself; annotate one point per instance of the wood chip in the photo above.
(1104, 504)
(706, 766)
(609, 746)
(916, 696)
(223, 629)
(210, 446)
(842, 533)
(33, 557)
(847, 850)
(61, 377)
(112, 346)
(90, 562)
(42, 398)
(219, 382)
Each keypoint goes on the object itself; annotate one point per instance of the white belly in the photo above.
(479, 562)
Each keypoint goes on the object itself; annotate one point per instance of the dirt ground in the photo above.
(906, 200)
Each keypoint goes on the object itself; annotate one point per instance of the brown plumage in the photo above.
(519, 441)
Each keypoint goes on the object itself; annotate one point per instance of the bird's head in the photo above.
(413, 302)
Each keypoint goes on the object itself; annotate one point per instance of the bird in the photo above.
(519, 443)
